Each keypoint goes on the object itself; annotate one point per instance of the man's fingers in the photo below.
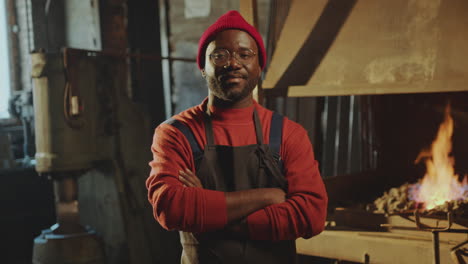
(194, 177)
(184, 181)
(187, 179)
(190, 178)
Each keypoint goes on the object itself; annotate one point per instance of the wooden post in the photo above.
(248, 9)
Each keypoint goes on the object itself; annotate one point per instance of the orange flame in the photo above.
(440, 183)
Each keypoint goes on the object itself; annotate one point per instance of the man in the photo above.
(239, 182)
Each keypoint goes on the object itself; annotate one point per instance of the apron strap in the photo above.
(196, 150)
(276, 133)
(208, 129)
(258, 128)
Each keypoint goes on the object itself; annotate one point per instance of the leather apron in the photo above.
(227, 169)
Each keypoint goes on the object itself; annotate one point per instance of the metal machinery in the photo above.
(65, 125)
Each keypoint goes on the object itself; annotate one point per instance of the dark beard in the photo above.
(227, 94)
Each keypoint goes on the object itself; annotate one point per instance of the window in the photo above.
(4, 64)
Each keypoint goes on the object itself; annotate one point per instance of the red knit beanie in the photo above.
(230, 20)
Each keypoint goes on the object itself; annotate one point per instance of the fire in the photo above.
(440, 183)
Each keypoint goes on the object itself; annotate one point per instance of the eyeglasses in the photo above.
(222, 57)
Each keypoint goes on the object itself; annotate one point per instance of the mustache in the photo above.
(228, 75)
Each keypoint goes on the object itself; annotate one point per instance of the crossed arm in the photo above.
(239, 204)
(269, 215)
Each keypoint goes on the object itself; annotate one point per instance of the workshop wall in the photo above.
(186, 25)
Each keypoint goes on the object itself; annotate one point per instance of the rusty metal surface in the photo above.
(113, 24)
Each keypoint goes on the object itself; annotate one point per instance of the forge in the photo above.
(441, 190)
(424, 221)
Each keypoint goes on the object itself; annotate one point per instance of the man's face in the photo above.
(234, 81)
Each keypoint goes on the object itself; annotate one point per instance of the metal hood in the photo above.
(357, 47)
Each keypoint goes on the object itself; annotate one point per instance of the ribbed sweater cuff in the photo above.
(216, 210)
(259, 225)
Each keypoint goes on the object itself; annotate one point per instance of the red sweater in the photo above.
(199, 210)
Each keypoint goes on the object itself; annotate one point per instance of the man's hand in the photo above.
(239, 203)
(276, 195)
(189, 179)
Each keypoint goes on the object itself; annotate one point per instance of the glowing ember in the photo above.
(440, 184)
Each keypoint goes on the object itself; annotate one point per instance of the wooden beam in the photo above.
(373, 247)
(321, 89)
(248, 9)
(299, 23)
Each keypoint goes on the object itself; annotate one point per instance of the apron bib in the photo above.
(227, 169)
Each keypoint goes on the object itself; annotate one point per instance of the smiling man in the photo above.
(239, 181)
(232, 77)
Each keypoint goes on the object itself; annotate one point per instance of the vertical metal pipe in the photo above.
(358, 127)
(350, 134)
(435, 241)
(336, 153)
(324, 125)
(372, 134)
(165, 52)
(66, 204)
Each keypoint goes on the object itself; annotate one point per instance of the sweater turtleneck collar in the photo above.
(231, 115)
